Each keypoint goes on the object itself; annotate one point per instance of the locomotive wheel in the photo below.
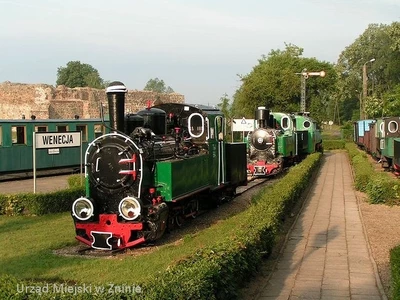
(179, 219)
(194, 208)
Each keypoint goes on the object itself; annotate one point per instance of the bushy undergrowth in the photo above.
(217, 270)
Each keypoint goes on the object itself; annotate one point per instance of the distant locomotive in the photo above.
(279, 140)
(154, 169)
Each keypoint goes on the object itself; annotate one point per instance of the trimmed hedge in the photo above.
(333, 144)
(219, 270)
(40, 203)
(379, 186)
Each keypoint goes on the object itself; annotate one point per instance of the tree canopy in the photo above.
(77, 74)
(157, 85)
(382, 43)
(275, 82)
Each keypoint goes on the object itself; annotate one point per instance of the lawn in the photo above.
(29, 243)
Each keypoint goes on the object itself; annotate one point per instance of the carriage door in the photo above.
(220, 130)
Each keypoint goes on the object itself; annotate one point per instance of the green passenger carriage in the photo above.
(16, 143)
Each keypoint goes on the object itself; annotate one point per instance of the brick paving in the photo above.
(326, 255)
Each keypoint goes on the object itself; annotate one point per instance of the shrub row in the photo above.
(42, 203)
(333, 144)
(380, 187)
(216, 271)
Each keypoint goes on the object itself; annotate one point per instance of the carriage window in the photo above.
(196, 125)
(18, 134)
(62, 128)
(98, 130)
(393, 126)
(83, 129)
(1, 136)
(40, 128)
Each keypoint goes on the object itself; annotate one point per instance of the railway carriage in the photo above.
(380, 138)
(16, 144)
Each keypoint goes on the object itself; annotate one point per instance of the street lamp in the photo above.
(365, 87)
(304, 75)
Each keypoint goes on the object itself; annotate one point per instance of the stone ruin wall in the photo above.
(49, 102)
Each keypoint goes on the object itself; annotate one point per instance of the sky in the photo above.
(199, 48)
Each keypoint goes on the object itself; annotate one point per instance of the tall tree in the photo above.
(380, 42)
(77, 74)
(274, 83)
(157, 85)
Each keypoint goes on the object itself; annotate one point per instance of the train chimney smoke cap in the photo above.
(116, 87)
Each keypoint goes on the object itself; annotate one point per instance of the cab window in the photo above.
(18, 135)
(83, 129)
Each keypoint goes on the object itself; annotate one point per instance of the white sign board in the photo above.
(45, 140)
(53, 151)
(243, 125)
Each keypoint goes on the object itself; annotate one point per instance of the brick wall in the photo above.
(49, 102)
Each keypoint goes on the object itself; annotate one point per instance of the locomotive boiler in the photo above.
(152, 170)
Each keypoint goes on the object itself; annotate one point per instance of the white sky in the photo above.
(196, 47)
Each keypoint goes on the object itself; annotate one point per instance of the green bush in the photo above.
(382, 189)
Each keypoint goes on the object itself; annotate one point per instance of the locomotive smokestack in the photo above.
(116, 104)
(262, 117)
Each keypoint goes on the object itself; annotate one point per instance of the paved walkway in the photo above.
(327, 254)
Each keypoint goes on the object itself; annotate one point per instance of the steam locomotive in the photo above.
(280, 140)
(153, 169)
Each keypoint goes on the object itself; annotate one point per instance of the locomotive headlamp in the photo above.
(129, 208)
(82, 209)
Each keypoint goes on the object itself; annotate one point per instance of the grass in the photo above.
(28, 244)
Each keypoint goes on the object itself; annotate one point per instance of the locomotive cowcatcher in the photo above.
(154, 169)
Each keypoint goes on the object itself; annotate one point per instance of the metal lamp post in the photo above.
(304, 75)
(365, 87)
